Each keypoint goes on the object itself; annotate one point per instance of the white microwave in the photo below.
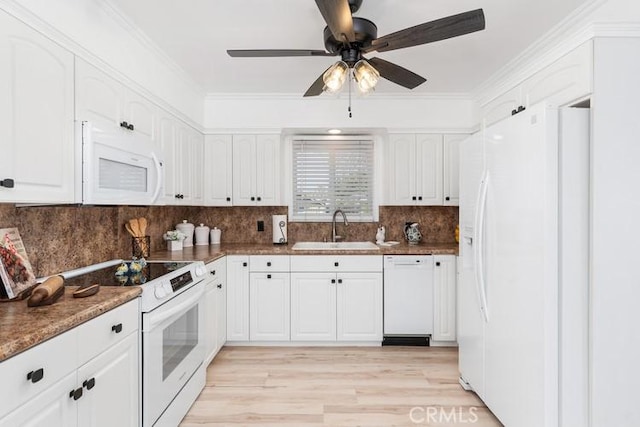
(119, 167)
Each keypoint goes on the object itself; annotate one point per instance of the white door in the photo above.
(99, 98)
(400, 170)
(244, 170)
(218, 172)
(429, 169)
(196, 167)
(238, 298)
(268, 170)
(313, 306)
(184, 154)
(359, 307)
(520, 280)
(140, 113)
(269, 307)
(168, 144)
(110, 387)
(444, 298)
(451, 169)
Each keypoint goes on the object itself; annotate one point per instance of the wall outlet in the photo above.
(260, 225)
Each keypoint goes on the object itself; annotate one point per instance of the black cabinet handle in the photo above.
(244, 264)
(117, 328)
(124, 125)
(514, 112)
(269, 264)
(253, 199)
(414, 198)
(35, 376)
(212, 272)
(89, 384)
(76, 394)
(339, 280)
(268, 276)
(333, 280)
(130, 127)
(420, 198)
(220, 286)
(447, 198)
(228, 199)
(438, 264)
(7, 183)
(336, 264)
(259, 198)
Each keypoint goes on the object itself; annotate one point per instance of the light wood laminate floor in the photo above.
(336, 386)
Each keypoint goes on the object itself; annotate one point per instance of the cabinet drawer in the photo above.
(33, 371)
(106, 330)
(217, 269)
(269, 263)
(367, 263)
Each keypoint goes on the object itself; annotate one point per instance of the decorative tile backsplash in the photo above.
(60, 238)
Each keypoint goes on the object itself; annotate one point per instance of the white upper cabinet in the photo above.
(414, 169)
(451, 169)
(103, 100)
(256, 170)
(568, 79)
(218, 172)
(36, 117)
(167, 142)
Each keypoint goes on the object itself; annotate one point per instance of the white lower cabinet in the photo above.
(215, 308)
(237, 298)
(337, 305)
(444, 298)
(88, 376)
(269, 307)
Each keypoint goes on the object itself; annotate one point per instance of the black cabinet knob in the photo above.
(130, 127)
(244, 264)
(76, 394)
(420, 198)
(89, 384)
(333, 280)
(339, 280)
(253, 199)
(414, 198)
(35, 376)
(124, 125)
(514, 112)
(7, 183)
(228, 199)
(336, 264)
(447, 198)
(212, 272)
(117, 328)
(438, 264)
(220, 286)
(259, 198)
(269, 264)
(268, 276)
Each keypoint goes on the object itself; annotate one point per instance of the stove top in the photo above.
(106, 276)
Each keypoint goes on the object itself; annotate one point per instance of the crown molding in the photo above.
(372, 97)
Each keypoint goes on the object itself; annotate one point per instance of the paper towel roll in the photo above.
(279, 229)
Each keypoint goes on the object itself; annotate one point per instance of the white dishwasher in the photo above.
(408, 298)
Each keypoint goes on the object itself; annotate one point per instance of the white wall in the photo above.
(93, 30)
(376, 111)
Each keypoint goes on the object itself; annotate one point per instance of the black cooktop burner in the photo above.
(107, 276)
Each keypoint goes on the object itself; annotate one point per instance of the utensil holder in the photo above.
(141, 247)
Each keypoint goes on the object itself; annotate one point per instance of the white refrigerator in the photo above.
(509, 292)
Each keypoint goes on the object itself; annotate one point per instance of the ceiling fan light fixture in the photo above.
(335, 77)
(366, 76)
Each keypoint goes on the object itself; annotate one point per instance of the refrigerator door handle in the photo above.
(479, 246)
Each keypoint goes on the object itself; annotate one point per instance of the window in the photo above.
(332, 173)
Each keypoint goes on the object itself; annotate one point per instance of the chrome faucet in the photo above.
(334, 237)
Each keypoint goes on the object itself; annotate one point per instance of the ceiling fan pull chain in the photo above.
(349, 109)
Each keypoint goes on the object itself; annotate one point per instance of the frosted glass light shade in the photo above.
(366, 76)
(335, 76)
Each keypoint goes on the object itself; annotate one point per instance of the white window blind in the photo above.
(332, 174)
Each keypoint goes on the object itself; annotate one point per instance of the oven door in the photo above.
(172, 350)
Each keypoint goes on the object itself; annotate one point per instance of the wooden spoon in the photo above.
(142, 222)
(128, 227)
(133, 223)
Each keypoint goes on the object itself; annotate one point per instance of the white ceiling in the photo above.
(196, 34)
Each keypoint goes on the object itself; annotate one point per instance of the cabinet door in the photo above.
(184, 154)
(444, 298)
(221, 313)
(429, 169)
(218, 158)
(244, 170)
(168, 145)
(313, 306)
(268, 170)
(51, 408)
(36, 116)
(451, 172)
(359, 307)
(196, 167)
(99, 98)
(140, 113)
(269, 307)
(501, 107)
(238, 298)
(400, 170)
(110, 387)
(210, 321)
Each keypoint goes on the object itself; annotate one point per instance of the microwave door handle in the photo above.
(156, 162)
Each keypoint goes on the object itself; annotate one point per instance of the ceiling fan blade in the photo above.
(316, 88)
(396, 73)
(271, 53)
(337, 15)
(440, 29)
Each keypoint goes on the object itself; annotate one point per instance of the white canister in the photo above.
(202, 235)
(187, 229)
(215, 236)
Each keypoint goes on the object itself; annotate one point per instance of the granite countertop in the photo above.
(22, 327)
(213, 252)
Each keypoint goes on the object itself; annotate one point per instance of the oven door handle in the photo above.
(162, 315)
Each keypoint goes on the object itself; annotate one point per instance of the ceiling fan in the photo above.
(350, 37)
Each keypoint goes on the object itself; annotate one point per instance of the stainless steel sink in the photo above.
(335, 246)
